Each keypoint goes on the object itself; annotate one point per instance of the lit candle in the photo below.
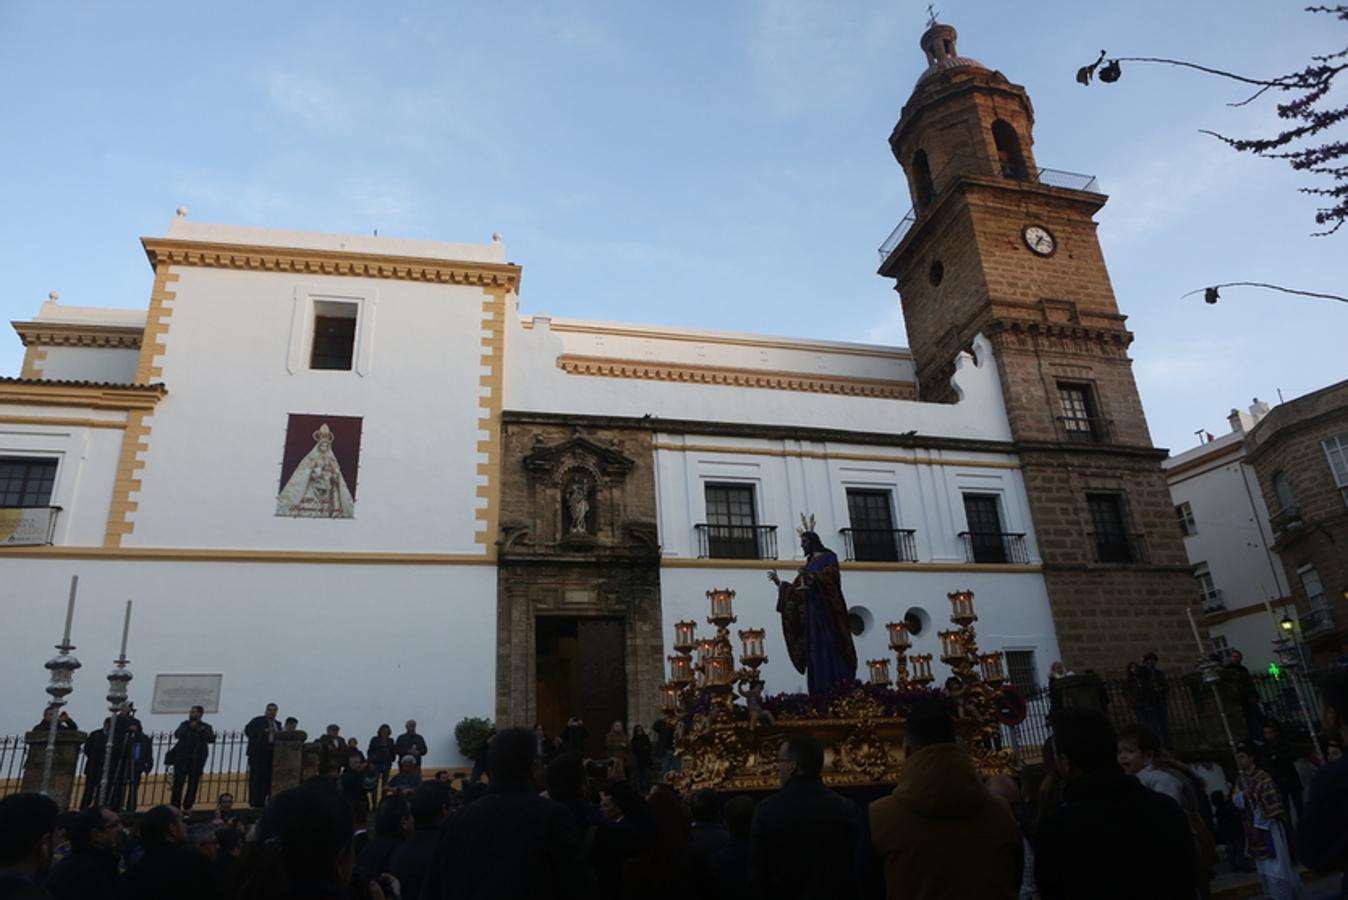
(951, 645)
(684, 635)
(669, 697)
(751, 640)
(680, 669)
(962, 607)
(70, 608)
(899, 639)
(721, 607)
(879, 670)
(921, 667)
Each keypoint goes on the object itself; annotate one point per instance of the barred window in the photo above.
(26, 482)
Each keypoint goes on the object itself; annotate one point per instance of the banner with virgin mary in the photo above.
(318, 469)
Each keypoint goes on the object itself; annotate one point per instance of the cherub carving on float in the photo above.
(317, 489)
(753, 701)
(814, 615)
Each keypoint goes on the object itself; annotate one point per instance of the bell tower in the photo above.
(996, 244)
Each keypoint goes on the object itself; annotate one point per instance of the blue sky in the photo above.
(717, 165)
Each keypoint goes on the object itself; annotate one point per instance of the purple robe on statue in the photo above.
(814, 620)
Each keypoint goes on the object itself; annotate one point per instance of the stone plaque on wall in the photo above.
(179, 693)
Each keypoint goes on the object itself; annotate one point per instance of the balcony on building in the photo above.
(995, 547)
(28, 526)
(1317, 623)
(736, 541)
(1212, 601)
(1287, 524)
(1118, 547)
(880, 544)
(960, 167)
(1084, 429)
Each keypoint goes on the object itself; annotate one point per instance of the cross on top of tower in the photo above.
(932, 13)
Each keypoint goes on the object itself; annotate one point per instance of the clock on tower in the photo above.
(995, 244)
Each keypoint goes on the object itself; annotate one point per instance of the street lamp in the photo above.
(1287, 625)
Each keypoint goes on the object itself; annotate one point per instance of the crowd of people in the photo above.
(1114, 816)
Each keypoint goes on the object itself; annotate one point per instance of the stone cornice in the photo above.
(1120, 336)
(256, 258)
(610, 367)
(71, 334)
(91, 396)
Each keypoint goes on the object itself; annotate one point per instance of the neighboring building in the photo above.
(1300, 453)
(996, 245)
(1221, 513)
(345, 474)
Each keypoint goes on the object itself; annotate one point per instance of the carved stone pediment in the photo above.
(552, 463)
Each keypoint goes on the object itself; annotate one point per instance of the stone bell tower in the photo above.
(997, 245)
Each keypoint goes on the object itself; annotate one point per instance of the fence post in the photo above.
(287, 760)
(65, 764)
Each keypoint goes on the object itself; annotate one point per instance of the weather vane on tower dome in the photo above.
(931, 15)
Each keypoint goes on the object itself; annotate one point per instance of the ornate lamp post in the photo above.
(62, 668)
(118, 679)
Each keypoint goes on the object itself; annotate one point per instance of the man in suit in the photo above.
(261, 733)
(806, 840)
(189, 757)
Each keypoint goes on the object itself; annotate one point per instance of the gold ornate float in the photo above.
(727, 734)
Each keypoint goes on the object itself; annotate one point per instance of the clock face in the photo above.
(1039, 239)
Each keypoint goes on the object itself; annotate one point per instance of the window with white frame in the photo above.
(1208, 595)
(333, 344)
(1185, 513)
(1219, 642)
(1336, 448)
(1310, 582)
(26, 482)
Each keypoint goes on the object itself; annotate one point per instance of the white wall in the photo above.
(85, 470)
(110, 364)
(1013, 612)
(213, 469)
(356, 645)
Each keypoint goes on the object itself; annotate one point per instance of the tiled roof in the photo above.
(52, 382)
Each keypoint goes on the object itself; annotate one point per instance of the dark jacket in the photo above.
(85, 874)
(1322, 832)
(411, 860)
(805, 842)
(410, 745)
(16, 886)
(374, 857)
(382, 752)
(941, 834)
(167, 872)
(641, 749)
(191, 748)
(1111, 838)
(256, 731)
(510, 843)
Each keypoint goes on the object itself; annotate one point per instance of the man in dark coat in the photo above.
(411, 861)
(170, 869)
(511, 842)
(89, 871)
(1112, 838)
(1322, 832)
(194, 738)
(806, 840)
(95, 756)
(409, 743)
(27, 826)
(261, 733)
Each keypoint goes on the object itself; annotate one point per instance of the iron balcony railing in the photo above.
(1212, 601)
(880, 544)
(1286, 523)
(1084, 430)
(736, 541)
(1316, 623)
(995, 547)
(22, 526)
(961, 166)
(1118, 547)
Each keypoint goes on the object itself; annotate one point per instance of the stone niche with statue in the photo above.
(578, 541)
(727, 734)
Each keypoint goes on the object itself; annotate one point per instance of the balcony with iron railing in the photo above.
(1212, 600)
(28, 526)
(1286, 524)
(1084, 429)
(880, 544)
(965, 166)
(995, 547)
(736, 541)
(1317, 623)
(1118, 547)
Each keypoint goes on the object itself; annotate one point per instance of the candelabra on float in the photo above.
(980, 675)
(118, 679)
(62, 668)
(714, 669)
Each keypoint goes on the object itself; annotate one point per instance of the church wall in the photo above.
(237, 368)
(358, 645)
(1013, 611)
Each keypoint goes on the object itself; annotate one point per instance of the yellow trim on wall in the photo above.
(170, 554)
(746, 341)
(771, 379)
(32, 357)
(90, 396)
(492, 382)
(62, 421)
(256, 258)
(822, 454)
(74, 334)
(763, 565)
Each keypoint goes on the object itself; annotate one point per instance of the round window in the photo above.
(859, 619)
(917, 620)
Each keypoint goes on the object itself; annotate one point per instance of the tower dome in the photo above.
(939, 43)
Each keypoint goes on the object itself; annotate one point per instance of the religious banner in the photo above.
(318, 468)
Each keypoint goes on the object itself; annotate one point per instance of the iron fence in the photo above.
(880, 544)
(994, 547)
(736, 541)
(13, 753)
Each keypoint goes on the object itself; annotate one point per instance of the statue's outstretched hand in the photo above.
(773, 577)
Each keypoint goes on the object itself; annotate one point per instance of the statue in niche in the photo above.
(578, 506)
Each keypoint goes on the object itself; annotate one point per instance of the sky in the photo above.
(709, 165)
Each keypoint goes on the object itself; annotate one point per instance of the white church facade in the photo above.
(325, 468)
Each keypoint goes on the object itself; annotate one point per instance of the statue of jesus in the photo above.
(814, 618)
